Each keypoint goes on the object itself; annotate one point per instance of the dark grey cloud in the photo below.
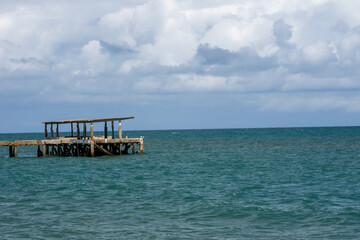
(282, 33)
(227, 62)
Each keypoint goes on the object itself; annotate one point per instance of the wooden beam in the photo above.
(21, 142)
(46, 132)
(52, 131)
(57, 130)
(104, 150)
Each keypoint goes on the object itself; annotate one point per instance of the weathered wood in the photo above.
(20, 143)
(104, 150)
(79, 145)
(15, 151)
(59, 150)
(141, 146)
(91, 130)
(44, 150)
(77, 150)
(126, 150)
(46, 132)
(11, 153)
(92, 149)
(78, 130)
(120, 130)
(5, 143)
(39, 153)
(88, 120)
(84, 131)
(56, 141)
(112, 129)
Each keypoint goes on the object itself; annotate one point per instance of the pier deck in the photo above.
(82, 144)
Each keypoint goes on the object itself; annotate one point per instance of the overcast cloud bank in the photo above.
(272, 55)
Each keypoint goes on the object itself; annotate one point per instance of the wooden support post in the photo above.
(39, 153)
(91, 130)
(43, 150)
(77, 150)
(120, 130)
(15, 151)
(105, 130)
(120, 144)
(78, 130)
(11, 153)
(133, 148)
(84, 131)
(92, 149)
(141, 146)
(72, 130)
(112, 129)
(52, 131)
(46, 133)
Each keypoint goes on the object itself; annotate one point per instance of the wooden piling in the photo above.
(112, 129)
(78, 130)
(120, 130)
(15, 151)
(91, 130)
(105, 130)
(141, 146)
(44, 150)
(84, 131)
(92, 149)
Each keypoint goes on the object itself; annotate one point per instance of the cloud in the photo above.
(282, 32)
(284, 49)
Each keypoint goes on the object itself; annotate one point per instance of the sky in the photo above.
(180, 64)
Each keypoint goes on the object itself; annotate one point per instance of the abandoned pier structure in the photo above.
(81, 142)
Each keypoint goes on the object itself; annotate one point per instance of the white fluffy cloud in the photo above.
(170, 47)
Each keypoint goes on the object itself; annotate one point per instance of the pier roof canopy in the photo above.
(88, 120)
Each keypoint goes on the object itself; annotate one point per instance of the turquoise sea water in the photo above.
(290, 183)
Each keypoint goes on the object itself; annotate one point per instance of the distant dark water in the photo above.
(291, 183)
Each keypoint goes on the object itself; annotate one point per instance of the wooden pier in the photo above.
(81, 143)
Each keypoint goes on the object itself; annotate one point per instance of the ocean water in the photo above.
(286, 183)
